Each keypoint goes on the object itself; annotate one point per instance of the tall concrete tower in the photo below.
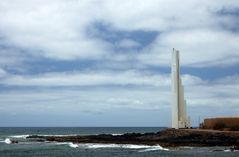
(179, 113)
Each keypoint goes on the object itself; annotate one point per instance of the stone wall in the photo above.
(221, 123)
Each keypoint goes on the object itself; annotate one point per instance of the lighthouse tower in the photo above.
(179, 113)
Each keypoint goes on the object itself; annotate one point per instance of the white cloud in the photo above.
(89, 78)
(57, 101)
(57, 29)
(156, 14)
(54, 30)
(196, 88)
(200, 48)
(200, 94)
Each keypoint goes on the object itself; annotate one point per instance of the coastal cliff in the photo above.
(166, 138)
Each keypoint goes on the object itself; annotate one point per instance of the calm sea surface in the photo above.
(26, 148)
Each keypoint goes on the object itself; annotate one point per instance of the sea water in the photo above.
(26, 148)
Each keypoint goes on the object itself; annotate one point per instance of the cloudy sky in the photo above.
(107, 62)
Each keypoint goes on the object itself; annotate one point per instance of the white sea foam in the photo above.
(73, 145)
(60, 143)
(142, 148)
(133, 146)
(25, 136)
(230, 150)
(116, 134)
(7, 141)
(20, 136)
(97, 145)
(46, 135)
(58, 135)
(153, 148)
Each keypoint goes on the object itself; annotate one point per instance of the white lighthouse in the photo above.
(179, 113)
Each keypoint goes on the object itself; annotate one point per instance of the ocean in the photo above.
(26, 148)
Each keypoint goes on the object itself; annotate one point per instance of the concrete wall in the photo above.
(228, 122)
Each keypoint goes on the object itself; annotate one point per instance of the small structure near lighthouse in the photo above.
(179, 108)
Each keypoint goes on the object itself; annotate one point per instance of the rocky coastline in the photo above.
(165, 138)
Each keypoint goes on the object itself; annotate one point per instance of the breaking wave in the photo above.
(230, 150)
(72, 145)
(7, 141)
(45, 135)
(141, 148)
(59, 135)
(20, 136)
(116, 134)
(97, 146)
(154, 148)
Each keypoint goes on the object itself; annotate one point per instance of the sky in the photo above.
(108, 62)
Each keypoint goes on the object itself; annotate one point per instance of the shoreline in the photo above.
(165, 138)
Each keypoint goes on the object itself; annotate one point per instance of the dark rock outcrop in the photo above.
(167, 138)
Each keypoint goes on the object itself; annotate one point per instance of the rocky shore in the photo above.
(165, 138)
